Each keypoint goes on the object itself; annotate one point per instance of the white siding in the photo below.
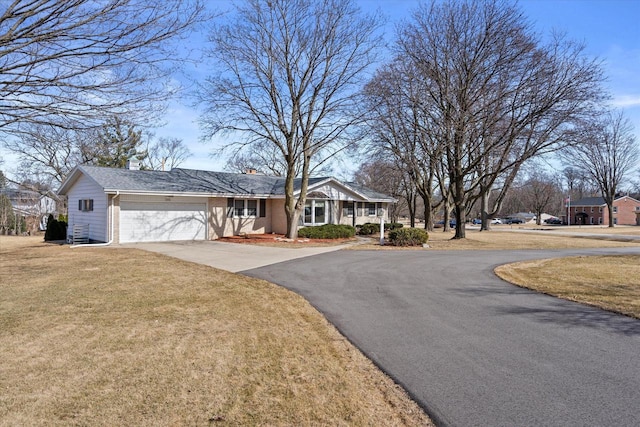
(86, 188)
(335, 192)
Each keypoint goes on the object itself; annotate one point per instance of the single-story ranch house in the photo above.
(131, 205)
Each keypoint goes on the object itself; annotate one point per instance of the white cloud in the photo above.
(626, 101)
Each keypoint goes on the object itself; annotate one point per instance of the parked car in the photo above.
(514, 221)
(440, 224)
(553, 221)
(477, 221)
(496, 221)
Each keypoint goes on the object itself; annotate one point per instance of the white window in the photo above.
(371, 209)
(348, 209)
(615, 209)
(243, 208)
(316, 212)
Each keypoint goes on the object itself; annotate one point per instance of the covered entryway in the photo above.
(162, 221)
(581, 218)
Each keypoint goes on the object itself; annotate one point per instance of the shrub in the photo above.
(369, 229)
(327, 231)
(56, 230)
(408, 237)
(372, 228)
(390, 226)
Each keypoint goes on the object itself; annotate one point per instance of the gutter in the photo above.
(97, 245)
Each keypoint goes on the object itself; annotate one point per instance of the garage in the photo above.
(162, 221)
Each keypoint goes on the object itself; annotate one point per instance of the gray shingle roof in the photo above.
(198, 181)
(589, 201)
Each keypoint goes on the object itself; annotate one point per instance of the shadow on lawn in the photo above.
(569, 313)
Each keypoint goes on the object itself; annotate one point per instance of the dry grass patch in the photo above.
(502, 240)
(610, 282)
(114, 336)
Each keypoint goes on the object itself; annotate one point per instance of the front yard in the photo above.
(116, 336)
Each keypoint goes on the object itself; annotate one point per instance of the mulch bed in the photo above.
(278, 238)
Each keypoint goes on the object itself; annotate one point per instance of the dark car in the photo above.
(440, 224)
(514, 221)
(477, 221)
(553, 221)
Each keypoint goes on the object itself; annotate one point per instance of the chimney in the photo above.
(251, 171)
(133, 164)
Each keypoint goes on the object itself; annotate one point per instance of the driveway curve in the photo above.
(472, 349)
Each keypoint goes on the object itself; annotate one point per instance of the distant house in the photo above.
(32, 206)
(594, 211)
(130, 205)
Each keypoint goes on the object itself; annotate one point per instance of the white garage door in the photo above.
(156, 222)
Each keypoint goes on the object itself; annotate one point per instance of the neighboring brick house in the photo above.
(594, 211)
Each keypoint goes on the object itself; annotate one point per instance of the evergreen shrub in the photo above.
(408, 237)
(327, 231)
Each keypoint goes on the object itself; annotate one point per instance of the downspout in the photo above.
(95, 245)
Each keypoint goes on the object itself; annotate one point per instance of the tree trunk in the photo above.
(484, 212)
(610, 208)
(290, 207)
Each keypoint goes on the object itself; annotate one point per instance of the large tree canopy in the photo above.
(288, 79)
(71, 63)
(493, 95)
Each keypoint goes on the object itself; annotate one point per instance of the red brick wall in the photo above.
(625, 213)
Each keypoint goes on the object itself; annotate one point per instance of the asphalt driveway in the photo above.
(470, 348)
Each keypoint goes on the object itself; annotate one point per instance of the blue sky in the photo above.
(609, 28)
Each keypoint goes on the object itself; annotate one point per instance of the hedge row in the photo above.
(408, 237)
(327, 231)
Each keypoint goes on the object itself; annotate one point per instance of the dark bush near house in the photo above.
(56, 230)
(408, 237)
(372, 228)
(368, 229)
(389, 226)
(327, 231)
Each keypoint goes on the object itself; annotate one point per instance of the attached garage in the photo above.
(151, 221)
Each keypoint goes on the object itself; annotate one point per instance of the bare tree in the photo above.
(607, 154)
(496, 94)
(47, 153)
(541, 194)
(288, 78)
(165, 153)
(70, 63)
(384, 176)
(401, 131)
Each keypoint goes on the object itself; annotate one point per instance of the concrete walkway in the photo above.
(233, 257)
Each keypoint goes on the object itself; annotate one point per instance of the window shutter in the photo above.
(90, 204)
(230, 208)
(80, 204)
(263, 208)
(360, 207)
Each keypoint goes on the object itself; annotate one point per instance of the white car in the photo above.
(496, 221)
